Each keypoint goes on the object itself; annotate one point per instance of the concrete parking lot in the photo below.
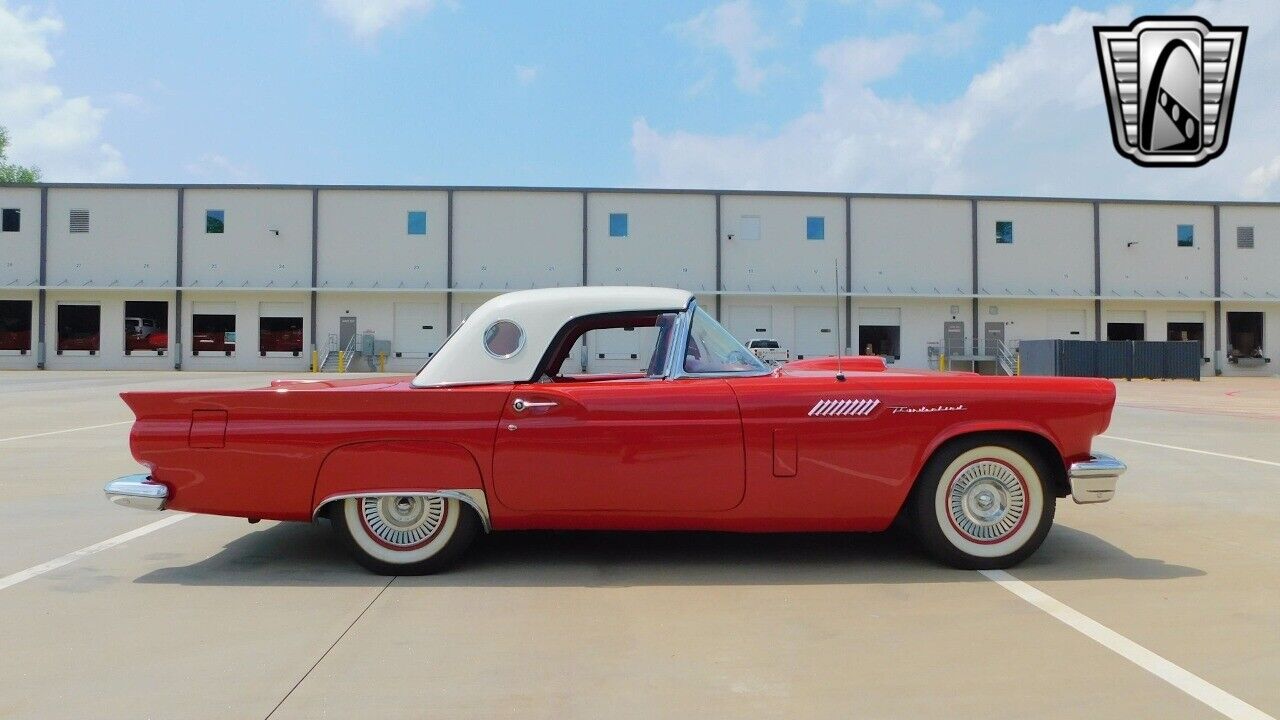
(1162, 603)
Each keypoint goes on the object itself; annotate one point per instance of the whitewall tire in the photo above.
(984, 504)
(404, 534)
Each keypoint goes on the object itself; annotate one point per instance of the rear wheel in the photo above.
(983, 504)
(405, 534)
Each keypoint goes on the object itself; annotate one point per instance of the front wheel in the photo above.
(405, 534)
(983, 505)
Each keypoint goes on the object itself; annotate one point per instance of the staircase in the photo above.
(1005, 358)
(972, 351)
(330, 361)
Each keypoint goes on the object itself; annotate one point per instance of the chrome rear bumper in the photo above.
(1094, 480)
(137, 491)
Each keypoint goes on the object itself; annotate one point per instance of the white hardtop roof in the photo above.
(541, 314)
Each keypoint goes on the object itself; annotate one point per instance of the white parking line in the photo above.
(1192, 450)
(24, 575)
(59, 432)
(1193, 685)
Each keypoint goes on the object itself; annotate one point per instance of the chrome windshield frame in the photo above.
(675, 363)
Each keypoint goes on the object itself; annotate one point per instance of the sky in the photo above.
(809, 95)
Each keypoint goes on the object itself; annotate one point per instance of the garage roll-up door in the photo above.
(418, 329)
(879, 316)
(750, 321)
(815, 331)
(1137, 317)
(212, 308)
(279, 309)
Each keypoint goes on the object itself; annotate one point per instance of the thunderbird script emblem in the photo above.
(1170, 84)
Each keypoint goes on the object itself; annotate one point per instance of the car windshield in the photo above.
(713, 350)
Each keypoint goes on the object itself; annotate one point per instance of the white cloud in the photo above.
(212, 167)
(1033, 122)
(61, 135)
(367, 18)
(526, 74)
(734, 28)
(924, 8)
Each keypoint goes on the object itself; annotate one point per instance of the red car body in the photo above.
(743, 454)
(498, 432)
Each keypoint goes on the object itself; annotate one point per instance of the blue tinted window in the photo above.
(617, 225)
(815, 228)
(1004, 232)
(1186, 235)
(417, 222)
(214, 221)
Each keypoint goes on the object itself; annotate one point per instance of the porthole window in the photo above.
(503, 339)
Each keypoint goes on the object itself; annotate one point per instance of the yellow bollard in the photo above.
(942, 363)
(315, 360)
(1017, 364)
(342, 360)
(382, 362)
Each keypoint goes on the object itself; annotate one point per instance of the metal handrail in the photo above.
(1004, 357)
(349, 350)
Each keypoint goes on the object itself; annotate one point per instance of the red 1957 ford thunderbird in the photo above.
(497, 432)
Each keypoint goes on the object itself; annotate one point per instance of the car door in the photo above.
(642, 445)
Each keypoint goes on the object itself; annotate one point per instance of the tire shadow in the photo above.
(298, 554)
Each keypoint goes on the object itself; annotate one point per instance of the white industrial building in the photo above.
(208, 277)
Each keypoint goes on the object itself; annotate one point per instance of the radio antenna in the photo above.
(839, 343)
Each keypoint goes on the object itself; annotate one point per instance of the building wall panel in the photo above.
(1156, 316)
(110, 355)
(131, 242)
(1051, 252)
(20, 251)
(266, 241)
(933, 237)
(780, 257)
(1140, 253)
(13, 360)
(246, 306)
(376, 312)
(1034, 319)
(1251, 271)
(517, 240)
(1270, 338)
(670, 240)
(364, 240)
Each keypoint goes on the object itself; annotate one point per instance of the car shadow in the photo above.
(297, 554)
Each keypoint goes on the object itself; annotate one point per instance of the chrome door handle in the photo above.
(520, 404)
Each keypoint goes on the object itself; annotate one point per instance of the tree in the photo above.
(12, 173)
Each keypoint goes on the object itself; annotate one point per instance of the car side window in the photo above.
(712, 349)
(631, 345)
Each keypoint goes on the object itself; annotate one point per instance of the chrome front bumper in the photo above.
(137, 491)
(1094, 480)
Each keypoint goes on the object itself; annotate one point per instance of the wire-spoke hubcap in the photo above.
(987, 501)
(403, 522)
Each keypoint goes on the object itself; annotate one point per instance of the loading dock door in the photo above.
(750, 321)
(880, 332)
(1186, 326)
(418, 329)
(1065, 325)
(815, 332)
(619, 350)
